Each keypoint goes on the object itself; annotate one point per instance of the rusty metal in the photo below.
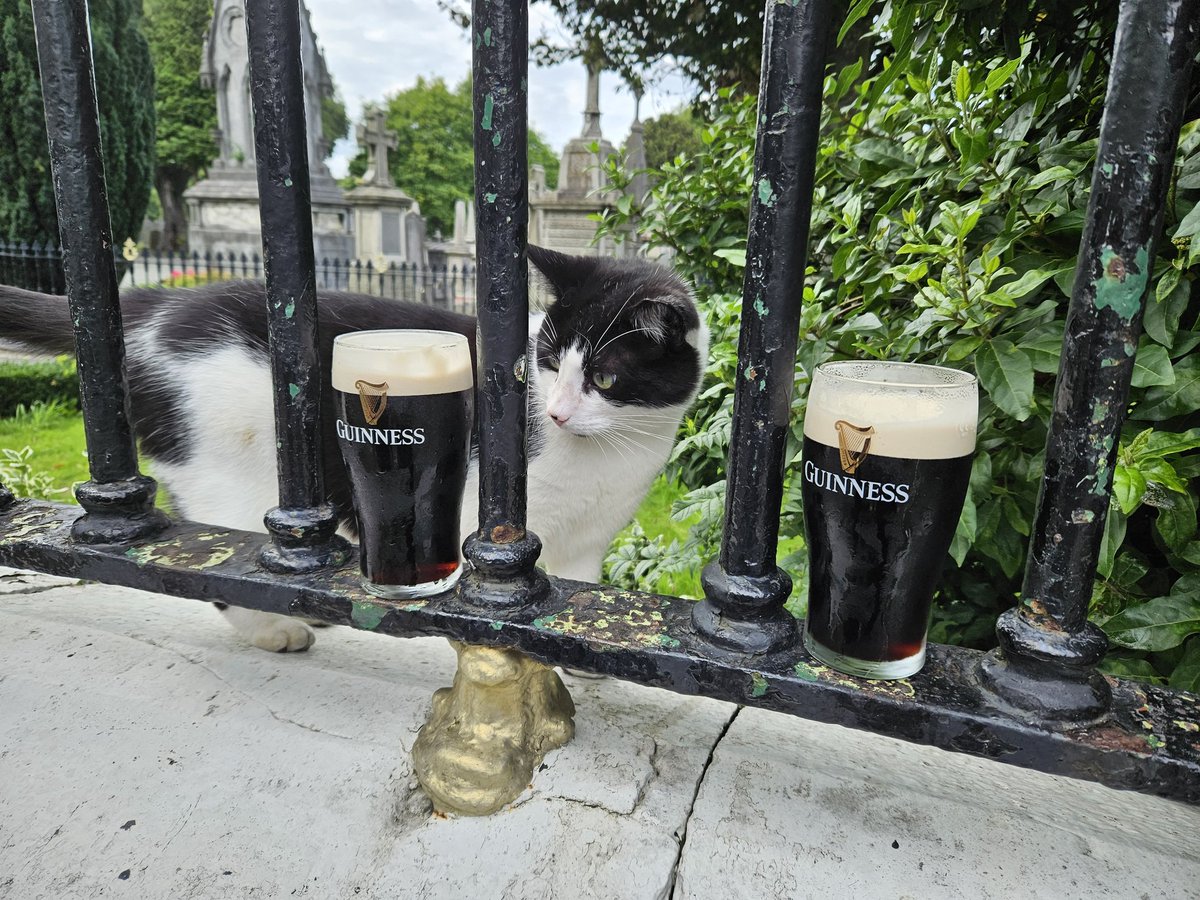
(302, 526)
(1149, 743)
(119, 499)
(745, 590)
(1048, 649)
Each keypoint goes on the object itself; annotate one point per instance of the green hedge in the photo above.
(27, 383)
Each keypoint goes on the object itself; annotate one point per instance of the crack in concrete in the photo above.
(683, 832)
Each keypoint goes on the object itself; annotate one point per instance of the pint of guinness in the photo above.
(404, 407)
(886, 463)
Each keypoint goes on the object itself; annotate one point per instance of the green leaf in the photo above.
(1128, 487)
(1162, 472)
(733, 256)
(1110, 541)
(1186, 676)
(1000, 75)
(1159, 624)
(1052, 174)
(1190, 224)
(1177, 523)
(1130, 666)
(962, 85)
(961, 349)
(1007, 375)
(857, 11)
(1027, 283)
(1044, 353)
(1180, 397)
(1161, 320)
(1152, 366)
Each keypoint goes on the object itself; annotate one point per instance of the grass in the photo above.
(55, 435)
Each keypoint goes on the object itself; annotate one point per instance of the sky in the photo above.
(383, 45)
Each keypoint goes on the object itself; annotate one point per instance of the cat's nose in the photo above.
(560, 421)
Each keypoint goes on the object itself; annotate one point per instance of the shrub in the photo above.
(950, 199)
(25, 384)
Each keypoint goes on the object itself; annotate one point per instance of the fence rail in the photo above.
(38, 266)
(1037, 701)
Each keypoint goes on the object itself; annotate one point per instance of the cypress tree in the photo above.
(125, 90)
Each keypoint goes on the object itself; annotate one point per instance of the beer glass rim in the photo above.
(957, 378)
(374, 339)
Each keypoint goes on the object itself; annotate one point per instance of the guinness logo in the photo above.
(854, 444)
(373, 398)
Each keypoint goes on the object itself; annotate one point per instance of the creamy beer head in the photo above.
(903, 410)
(401, 363)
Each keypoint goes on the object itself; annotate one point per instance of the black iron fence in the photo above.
(1037, 701)
(38, 266)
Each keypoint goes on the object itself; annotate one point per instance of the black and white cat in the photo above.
(619, 352)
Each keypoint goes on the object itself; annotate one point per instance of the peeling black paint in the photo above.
(1149, 742)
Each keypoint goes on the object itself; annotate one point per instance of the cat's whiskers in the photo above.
(628, 442)
(650, 434)
(618, 337)
(613, 320)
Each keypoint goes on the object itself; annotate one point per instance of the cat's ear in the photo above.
(666, 318)
(563, 272)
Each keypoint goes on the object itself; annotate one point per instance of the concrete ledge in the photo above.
(145, 752)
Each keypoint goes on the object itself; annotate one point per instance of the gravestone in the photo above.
(388, 225)
(223, 208)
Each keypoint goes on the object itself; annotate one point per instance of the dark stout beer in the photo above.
(404, 405)
(886, 463)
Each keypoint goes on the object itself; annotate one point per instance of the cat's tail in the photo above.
(37, 321)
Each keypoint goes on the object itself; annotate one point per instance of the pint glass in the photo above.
(887, 459)
(404, 402)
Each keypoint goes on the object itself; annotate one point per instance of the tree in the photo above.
(125, 89)
(186, 112)
(670, 134)
(433, 160)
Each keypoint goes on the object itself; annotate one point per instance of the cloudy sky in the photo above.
(376, 47)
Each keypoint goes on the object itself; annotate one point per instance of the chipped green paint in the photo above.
(547, 623)
(1155, 741)
(287, 182)
(490, 197)
(171, 553)
(1119, 288)
(751, 372)
(488, 106)
(1107, 169)
(1100, 412)
(415, 606)
(367, 615)
(766, 196)
(294, 390)
(758, 684)
(1109, 363)
(805, 672)
(1186, 726)
(1083, 517)
(290, 309)
(487, 36)
(760, 307)
(497, 626)
(496, 139)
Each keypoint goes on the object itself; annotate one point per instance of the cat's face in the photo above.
(620, 351)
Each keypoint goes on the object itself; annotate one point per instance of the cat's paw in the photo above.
(270, 631)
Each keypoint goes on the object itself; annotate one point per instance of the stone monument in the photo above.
(223, 208)
(388, 225)
(559, 218)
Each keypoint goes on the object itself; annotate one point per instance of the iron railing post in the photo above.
(745, 590)
(118, 501)
(302, 526)
(502, 553)
(1045, 665)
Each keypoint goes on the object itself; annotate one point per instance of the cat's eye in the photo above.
(552, 363)
(603, 380)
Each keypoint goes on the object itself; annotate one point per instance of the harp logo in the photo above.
(854, 444)
(373, 398)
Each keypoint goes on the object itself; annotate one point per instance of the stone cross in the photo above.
(374, 135)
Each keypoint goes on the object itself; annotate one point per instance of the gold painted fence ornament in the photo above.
(489, 731)
(129, 250)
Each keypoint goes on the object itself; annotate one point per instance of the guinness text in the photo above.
(888, 492)
(395, 437)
